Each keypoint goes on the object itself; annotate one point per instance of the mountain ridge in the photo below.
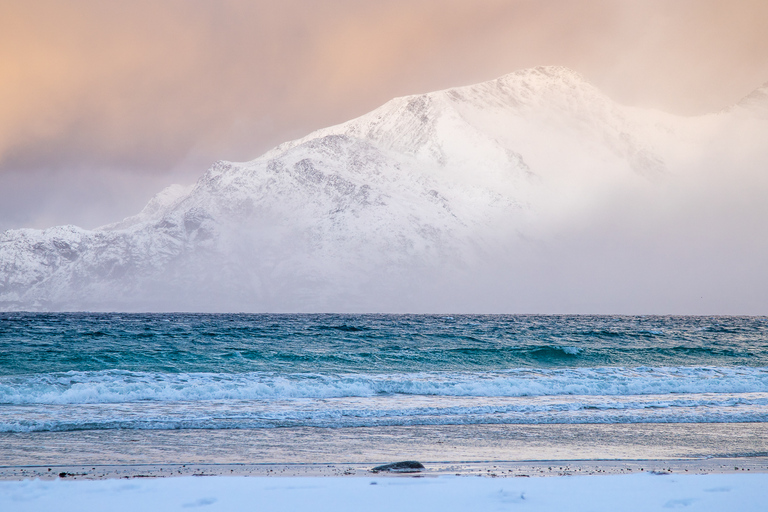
(369, 213)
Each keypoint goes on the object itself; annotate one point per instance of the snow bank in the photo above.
(595, 493)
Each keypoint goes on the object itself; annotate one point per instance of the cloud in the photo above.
(151, 91)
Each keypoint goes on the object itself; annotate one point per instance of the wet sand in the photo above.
(386, 444)
(488, 450)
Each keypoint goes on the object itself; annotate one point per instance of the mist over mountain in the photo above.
(530, 193)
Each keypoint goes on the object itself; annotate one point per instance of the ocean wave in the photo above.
(387, 411)
(119, 386)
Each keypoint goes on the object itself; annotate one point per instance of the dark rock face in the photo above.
(406, 466)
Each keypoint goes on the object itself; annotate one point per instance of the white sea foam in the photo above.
(116, 386)
(388, 410)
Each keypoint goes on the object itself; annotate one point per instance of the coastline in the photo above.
(370, 445)
(488, 469)
(466, 450)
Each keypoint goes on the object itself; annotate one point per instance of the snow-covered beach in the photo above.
(696, 483)
(642, 492)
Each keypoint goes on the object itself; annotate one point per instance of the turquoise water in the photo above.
(62, 372)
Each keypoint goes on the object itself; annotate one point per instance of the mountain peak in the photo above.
(539, 87)
(757, 100)
(546, 73)
(472, 125)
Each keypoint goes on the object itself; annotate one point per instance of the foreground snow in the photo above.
(744, 492)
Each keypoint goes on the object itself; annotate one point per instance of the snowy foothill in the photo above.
(637, 492)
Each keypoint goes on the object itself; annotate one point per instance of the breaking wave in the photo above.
(118, 386)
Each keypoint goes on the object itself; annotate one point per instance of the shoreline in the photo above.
(489, 469)
(369, 445)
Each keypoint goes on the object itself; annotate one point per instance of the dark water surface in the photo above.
(222, 343)
(93, 372)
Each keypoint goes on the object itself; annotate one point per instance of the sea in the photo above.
(216, 387)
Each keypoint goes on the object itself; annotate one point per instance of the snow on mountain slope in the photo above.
(756, 102)
(393, 211)
(158, 206)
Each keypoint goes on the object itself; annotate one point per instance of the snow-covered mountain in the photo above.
(756, 102)
(415, 206)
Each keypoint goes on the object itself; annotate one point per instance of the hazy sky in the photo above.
(104, 103)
